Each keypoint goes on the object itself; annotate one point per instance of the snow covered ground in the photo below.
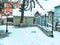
(28, 36)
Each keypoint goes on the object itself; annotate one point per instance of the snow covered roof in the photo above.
(5, 17)
(37, 14)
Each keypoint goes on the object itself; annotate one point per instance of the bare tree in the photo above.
(28, 5)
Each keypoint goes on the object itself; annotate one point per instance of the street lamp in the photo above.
(6, 24)
(7, 14)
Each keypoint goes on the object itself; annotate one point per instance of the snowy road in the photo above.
(28, 36)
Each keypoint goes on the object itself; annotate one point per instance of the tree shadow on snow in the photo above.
(4, 34)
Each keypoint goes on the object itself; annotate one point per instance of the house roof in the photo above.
(57, 6)
(37, 14)
(50, 12)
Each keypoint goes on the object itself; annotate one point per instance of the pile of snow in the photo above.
(8, 17)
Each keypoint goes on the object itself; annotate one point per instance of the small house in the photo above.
(40, 19)
(37, 18)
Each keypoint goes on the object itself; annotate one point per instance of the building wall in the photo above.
(57, 14)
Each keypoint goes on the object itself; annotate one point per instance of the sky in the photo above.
(48, 5)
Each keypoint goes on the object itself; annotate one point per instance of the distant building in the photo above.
(3, 1)
(40, 19)
(57, 14)
(57, 17)
(37, 14)
(37, 18)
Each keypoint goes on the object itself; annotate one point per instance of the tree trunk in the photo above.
(22, 13)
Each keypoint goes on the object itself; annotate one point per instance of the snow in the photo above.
(26, 36)
(58, 26)
(8, 16)
(47, 28)
(49, 24)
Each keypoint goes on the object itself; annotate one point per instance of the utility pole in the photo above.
(45, 20)
(7, 14)
(52, 22)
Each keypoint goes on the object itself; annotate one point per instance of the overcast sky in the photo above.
(47, 5)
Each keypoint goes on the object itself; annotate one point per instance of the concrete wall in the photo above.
(27, 20)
